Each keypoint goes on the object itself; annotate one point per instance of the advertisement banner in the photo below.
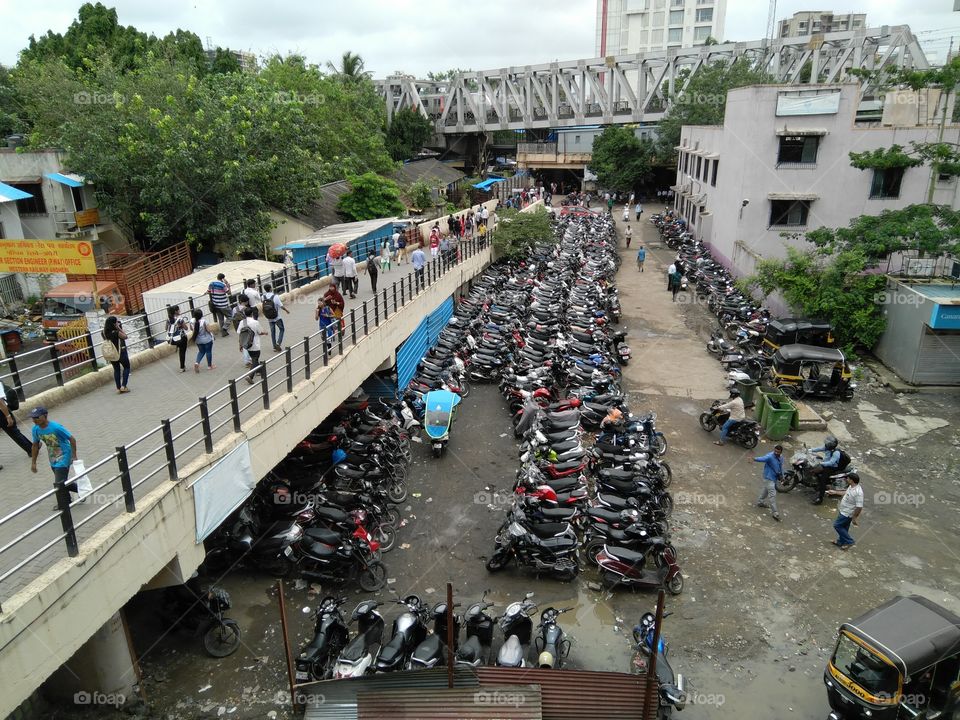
(793, 104)
(47, 256)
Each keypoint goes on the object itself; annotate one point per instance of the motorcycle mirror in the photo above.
(528, 595)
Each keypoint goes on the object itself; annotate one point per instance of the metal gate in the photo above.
(938, 360)
(421, 340)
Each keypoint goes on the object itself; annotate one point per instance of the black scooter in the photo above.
(268, 547)
(475, 651)
(315, 661)
(672, 693)
(358, 656)
(555, 555)
(433, 651)
(409, 630)
(551, 644)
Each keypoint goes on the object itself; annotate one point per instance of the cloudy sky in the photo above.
(420, 35)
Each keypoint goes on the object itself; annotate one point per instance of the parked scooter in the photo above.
(475, 651)
(556, 555)
(745, 433)
(358, 656)
(409, 630)
(517, 628)
(672, 693)
(439, 412)
(433, 651)
(315, 661)
(623, 567)
(551, 644)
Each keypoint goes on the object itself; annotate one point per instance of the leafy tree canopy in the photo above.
(420, 195)
(371, 196)
(224, 62)
(518, 231)
(884, 158)
(407, 133)
(620, 160)
(703, 101)
(351, 67)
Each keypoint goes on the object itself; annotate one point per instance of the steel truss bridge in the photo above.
(635, 88)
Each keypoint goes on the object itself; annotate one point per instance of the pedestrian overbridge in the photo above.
(141, 528)
(635, 88)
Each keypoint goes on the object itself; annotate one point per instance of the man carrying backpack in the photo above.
(249, 334)
(272, 306)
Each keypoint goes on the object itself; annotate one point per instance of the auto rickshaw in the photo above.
(900, 660)
(809, 371)
(793, 331)
(439, 410)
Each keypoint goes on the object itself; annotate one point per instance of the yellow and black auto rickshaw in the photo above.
(809, 371)
(900, 660)
(794, 331)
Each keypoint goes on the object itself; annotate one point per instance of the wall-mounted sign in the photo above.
(805, 103)
(47, 256)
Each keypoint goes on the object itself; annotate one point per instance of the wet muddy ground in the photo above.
(754, 626)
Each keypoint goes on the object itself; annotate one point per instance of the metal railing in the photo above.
(57, 363)
(159, 452)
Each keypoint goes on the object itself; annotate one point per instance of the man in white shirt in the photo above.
(671, 271)
(350, 274)
(253, 296)
(272, 307)
(851, 505)
(250, 323)
(737, 414)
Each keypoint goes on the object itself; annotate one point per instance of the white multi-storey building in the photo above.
(814, 22)
(631, 26)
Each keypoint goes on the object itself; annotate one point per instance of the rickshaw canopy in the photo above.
(438, 409)
(790, 330)
(913, 632)
(807, 353)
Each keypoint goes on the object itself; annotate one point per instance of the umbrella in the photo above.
(337, 250)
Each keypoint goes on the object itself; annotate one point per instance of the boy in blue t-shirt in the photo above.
(61, 447)
(641, 256)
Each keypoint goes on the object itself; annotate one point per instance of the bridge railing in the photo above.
(29, 535)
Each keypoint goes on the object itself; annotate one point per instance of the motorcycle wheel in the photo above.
(666, 475)
(666, 504)
(749, 441)
(464, 388)
(221, 639)
(392, 517)
(794, 392)
(708, 422)
(386, 535)
(591, 549)
(713, 349)
(659, 444)
(437, 452)
(496, 562)
(397, 492)
(373, 577)
(788, 481)
(675, 584)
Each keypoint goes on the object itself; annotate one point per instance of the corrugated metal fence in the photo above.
(421, 340)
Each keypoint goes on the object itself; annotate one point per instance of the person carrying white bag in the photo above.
(62, 451)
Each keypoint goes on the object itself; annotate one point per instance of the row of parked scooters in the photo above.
(330, 510)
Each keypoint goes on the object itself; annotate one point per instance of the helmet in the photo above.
(830, 443)
(629, 516)
(734, 393)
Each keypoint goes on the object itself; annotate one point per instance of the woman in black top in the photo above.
(178, 334)
(113, 333)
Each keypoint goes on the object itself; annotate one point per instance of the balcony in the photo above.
(546, 155)
(77, 224)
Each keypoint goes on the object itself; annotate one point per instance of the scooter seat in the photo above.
(322, 535)
(616, 474)
(561, 542)
(548, 529)
(551, 425)
(356, 474)
(566, 484)
(566, 445)
(598, 407)
(470, 651)
(557, 514)
(330, 513)
(355, 650)
(391, 652)
(568, 465)
(633, 489)
(562, 415)
(428, 649)
(623, 554)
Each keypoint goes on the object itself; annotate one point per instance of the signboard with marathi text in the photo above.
(86, 218)
(47, 256)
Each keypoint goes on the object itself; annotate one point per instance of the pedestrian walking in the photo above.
(61, 450)
(401, 247)
(851, 505)
(250, 332)
(418, 260)
(435, 240)
(772, 471)
(324, 316)
(272, 307)
(675, 281)
(115, 352)
(632, 196)
(239, 313)
(8, 423)
(628, 234)
(350, 281)
(485, 216)
(372, 270)
(253, 297)
(385, 252)
(445, 249)
(626, 213)
(671, 271)
(638, 209)
(641, 257)
(178, 334)
(203, 339)
(219, 291)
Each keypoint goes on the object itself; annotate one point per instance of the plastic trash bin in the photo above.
(767, 396)
(748, 389)
(778, 418)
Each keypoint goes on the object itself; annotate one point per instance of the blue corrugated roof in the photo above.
(8, 193)
(70, 180)
(487, 183)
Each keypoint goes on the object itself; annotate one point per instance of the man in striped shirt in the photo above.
(219, 291)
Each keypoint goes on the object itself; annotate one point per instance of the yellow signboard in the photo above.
(47, 256)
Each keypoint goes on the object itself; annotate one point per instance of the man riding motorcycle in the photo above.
(737, 414)
(828, 466)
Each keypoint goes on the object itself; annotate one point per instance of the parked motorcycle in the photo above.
(433, 651)
(409, 630)
(475, 651)
(672, 687)
(517, 628)
(623, 567)
(201, 612)
(315, 661)
(358, 657)
(551, 644)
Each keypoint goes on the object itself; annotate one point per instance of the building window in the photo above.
(676, 17)
(658, 18)
(677, 3)
(32, 205)
(713, 179)
(699, 163)
(675, 35)
(704, 15)
(686, 162)
(886, 183)
(701, 33)
(789, 213)
(798, 150)
(576, 139)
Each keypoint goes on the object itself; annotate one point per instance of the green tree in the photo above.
(518, 231)
(407, 133)
(621, 161)
(420, 195)
(351, 67)
(703, 101)
(10, 105)
(224, 62)
(371, 196)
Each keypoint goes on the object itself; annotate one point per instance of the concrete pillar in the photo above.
(102, 673)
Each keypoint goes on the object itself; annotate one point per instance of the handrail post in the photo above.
(385, 310)
(376, 310)
(93, 351)
(403, 300)
(17, 383)
(394, 286)
(366, 324)
(125, 481)
(306, 358)
(326, 348)
(353, 324)
(66, 519)
(235, 405)
(205, 424)
(340, 337)
(168, 446)
(409, 286)
(261, 367)
(55, 359)
(289, 359)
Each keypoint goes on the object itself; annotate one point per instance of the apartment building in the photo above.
(636, 26)
(814, 22)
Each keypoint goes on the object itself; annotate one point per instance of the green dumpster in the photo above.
(747, 388)
(763, 404)
(778, 417)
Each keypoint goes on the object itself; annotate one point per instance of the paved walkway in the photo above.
(102, 419)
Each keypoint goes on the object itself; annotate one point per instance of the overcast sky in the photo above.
(420, 35)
